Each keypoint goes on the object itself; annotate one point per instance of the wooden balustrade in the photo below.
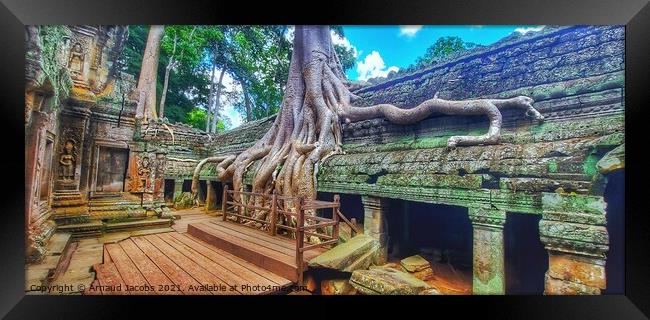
(275, 206)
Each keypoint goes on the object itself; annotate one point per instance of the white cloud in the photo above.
(288, 35)
(409, 31)
(373, 66)
(529, 29)
(343, 41)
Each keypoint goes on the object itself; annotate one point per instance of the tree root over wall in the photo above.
(307, 128)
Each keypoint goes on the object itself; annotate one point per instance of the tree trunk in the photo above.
(146, 107)
(170, 65)
(247, 103)
(307, 128)
(210, 99)
(217, 101)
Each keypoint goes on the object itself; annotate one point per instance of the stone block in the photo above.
(415, 263)
(586, 271)
(562, 287)
(354, 254)
(387, 281)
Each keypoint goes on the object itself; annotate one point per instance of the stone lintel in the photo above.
(487, 217)
(573, 203)
(574, 238)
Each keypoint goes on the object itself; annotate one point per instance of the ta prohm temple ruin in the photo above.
(540, 212)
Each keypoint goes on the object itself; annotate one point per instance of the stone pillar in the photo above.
(488, 258)
(573, 230)
(211, 197)
(68, 203)
(375, 224)
(35, 250)
(178, 188)
(159, 178)
(70, 148)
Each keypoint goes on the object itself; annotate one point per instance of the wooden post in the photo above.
(274, 213)
(224, 201)
(335, 217)
(300, 237)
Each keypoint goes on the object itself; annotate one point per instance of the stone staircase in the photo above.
(116, 212)
(115, 205)
(58, 250)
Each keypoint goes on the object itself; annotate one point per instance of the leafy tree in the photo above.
(196, 118)
(442, 48)
(346, 57)
(189, 85)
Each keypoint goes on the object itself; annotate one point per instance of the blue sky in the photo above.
(400, 46)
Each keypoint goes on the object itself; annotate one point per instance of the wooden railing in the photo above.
(239, 203)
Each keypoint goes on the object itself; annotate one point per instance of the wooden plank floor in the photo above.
(178, 263)
(276, 254)
(193, 215)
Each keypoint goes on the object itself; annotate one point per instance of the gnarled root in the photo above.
(488, 107)
(307, 128)
(199, 167)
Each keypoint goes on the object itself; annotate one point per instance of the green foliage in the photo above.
(260, 58)
(256, 56)
(346, 56)
(134, 49)
(442, 48)
(53, 63)
(196, 118)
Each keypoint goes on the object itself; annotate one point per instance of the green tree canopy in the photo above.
(257, 57)
(442, 48)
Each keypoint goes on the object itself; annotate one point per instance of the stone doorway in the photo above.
(441, 234)
(526, 259)
(203, 191)
(169, 191)
(615, 265)
(111, 169)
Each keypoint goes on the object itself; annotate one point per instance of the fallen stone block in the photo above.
(415, 263)
(355, 254)
(418, 267)
(387, 281)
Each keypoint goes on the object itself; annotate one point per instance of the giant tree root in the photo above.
(307, 128)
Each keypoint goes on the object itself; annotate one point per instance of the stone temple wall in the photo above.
(557, 169)
(189, 145)
(575, 75)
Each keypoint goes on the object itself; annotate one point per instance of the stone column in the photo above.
(488, 258)
(211, 197)
(68, 203)
(573, 230)
(35, 250)
(178, 188)
(159, 179)
(374, 224)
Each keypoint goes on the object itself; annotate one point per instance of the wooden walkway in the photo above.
(274, 253)
(177, 263)
(193, 215)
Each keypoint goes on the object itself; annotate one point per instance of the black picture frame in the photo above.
(635, 14)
